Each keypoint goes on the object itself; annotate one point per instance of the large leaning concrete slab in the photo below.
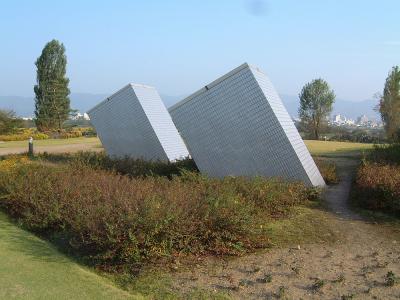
(134, 122)
(237, 125)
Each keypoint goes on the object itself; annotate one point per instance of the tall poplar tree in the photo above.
(389, 105)
(52, 104)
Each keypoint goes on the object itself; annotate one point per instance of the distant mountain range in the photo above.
(24, 106)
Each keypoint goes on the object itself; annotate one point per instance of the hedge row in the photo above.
(25, 134)
(125, 165)
(112, 219)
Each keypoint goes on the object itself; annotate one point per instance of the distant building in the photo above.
(337, 119)
(362, 120)
(80, 116)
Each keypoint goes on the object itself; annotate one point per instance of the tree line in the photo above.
(52, 103)
(316, 103)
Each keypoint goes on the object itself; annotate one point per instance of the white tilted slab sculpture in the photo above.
(134, 122)
(237, 125)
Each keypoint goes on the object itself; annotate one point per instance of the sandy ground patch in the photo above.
(354, 267)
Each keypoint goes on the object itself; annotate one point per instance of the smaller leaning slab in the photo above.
(134, 122)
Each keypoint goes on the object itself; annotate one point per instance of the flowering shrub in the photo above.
(12, 161)
(24, 134)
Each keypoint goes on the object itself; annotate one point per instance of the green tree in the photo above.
(9, 122)
(316, 101)
(52, 104)
(389, 105)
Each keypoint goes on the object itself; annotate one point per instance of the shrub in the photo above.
(8, 164)
(24, 134)
(327, 170)
(113, 220)
(89, 132)
(386, 154)
(126, 165)
(9, 122)
(71, 132)
(378, 187)
(391, 279)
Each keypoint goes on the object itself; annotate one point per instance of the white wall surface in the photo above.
(134, 122)
(237, 125)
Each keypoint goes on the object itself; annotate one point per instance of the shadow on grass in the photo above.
(15, 239)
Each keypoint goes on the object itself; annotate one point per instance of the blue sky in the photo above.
(179, 46)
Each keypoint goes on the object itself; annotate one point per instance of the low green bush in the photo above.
(116, 220)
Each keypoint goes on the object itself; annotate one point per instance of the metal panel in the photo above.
(134, 122)
(237, 125)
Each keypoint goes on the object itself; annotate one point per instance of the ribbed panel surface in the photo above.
(134, 122)
(237, 125)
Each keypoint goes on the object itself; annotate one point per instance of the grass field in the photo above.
(32, 269)
(321, 148)
(52, 145)
(54, 142)
(87, 144)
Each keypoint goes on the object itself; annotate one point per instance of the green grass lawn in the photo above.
(53, 142)
(31, 268)
(321, 148)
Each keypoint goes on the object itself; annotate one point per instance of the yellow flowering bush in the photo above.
(11, 162)
(24, 134)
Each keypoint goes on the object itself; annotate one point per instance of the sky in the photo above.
(180, 46)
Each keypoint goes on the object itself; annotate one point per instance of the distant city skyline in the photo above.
(178, 46)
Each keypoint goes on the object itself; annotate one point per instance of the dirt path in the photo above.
(336, 196)
(352, 268)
